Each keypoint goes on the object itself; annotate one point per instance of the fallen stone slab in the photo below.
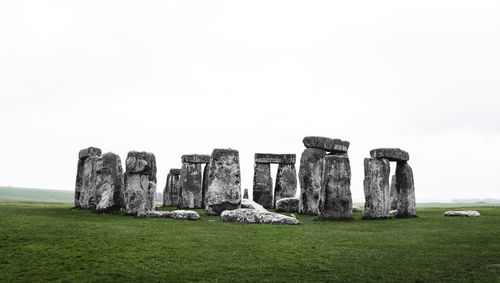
(327, 144)
(392, 154)
(195, 158)
(289, 205)
(356, 208)
(252, 216)
(250, 204)
(275, 158)
(185, 214)
(465, 213)
(154, 214)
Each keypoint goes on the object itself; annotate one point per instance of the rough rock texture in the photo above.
(191, 186)
(462, 213)
(185, 214)
(286, 182)
(175, 188)
(140, 182)
(335, 201)
(392, 154)
(376, 188)
(310, 174)
(167, 191)
(275, 158)
(89, 183)
(245, 194)
(406, 191)
(288, 205)
(250, 204)
(195, 158)
(109, 184)
(175, 171)
(224, 181)
(327, 144)
(394, 193)
(154, 214)
(251, 216)
(204, 186)
(82, 156)
(356, 208)
(263, 185)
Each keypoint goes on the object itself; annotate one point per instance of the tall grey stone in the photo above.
(89, 182)
(175, 184)
(245, 194)
(204, 186)
(335, 200)
(286, 182)
(80, 173)
(310, 175)
(394, 193)
(376, 188)
(191, 186)
(406, 191)
(224, 181)
(263, 185)
(167, 191)
(109, 184)
(140, 182)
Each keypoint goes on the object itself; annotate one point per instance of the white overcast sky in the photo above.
(179, 77)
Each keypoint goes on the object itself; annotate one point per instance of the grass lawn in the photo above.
(42, 241)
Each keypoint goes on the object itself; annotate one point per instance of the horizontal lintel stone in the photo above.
(327, 144)
(392, 154)
(275, 158)
(195, 158)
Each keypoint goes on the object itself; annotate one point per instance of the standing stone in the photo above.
(245, 194)
(88, 190)
(167, 191)
(263, 185)
(406, 191)
(224, 181)
(191, 186)
(376, 187)
(82, 156)
(175, 186)
(204, 186)
(109, 184)
(394, 193)
(335, 200)
(140, 182)
(286, 182)
(310, 174)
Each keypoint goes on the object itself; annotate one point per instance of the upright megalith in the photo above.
(263, 185)
(245, 194)
(175, 186)
(109, 183)
(86, 178)
(140, 182)
(286, 182)
(376, 188)
(335, 201)
(167, 191)
(224, 181)
(191, 195)
(204, 186)
(310, 174)
(406, 190)
(394, 193)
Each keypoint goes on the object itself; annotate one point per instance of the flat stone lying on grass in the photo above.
(462, 213)
(328, 144)
(287, 205)
(154, 214)
(252, 216)
(392, 154)
(356, 208)
(250, 204)
(176, 214)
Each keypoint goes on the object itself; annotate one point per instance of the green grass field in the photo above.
(43, 241)
(37, 195)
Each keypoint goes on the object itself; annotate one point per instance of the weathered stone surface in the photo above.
(109, 184)
(252, 216)
(286, 182)
(191, 186)
(288, 205)
(356, 208)
(176, 189)
(275, 158)
(175, 171)
(327, 144)
(224, 181)
(140, 182)
(392, 154)
(335, 201)
(195, 158)
(82, 156)
(263, 185)
(167, 191)
(245, 194)
(466, 213)
(89, 182)
(154, 214)
(310, 174)
(185, 214)
(394, 193)
(204, 186)
(406, 191)
(250, 204)
(376, 188)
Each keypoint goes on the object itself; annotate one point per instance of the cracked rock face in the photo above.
(466, 213)
(391, 154)
(376, 188)
(191, 186)
(290, 205)
(185, 214)
(167, 191)
(140, 182)
(175, 188)
(83, 174)
(109, 183)
(251, 216)
(263, 185)
(335, 200)
(89, 182)
(394, 193)
(406, 191)
(250, 204)
(310, 175)
(327, 144)
(224, 181)
(286, 182)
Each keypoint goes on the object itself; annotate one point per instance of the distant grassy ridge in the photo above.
(13, 194)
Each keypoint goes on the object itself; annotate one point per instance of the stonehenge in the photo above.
(223, 181)
(109, 183)
(380, 198)
(140, 182)
(172, 188)
(252, 216)
(466, 213)
(288, 205)
(286, 178)
(86, 177)
(335, 200)
(191, 181)
(245, 194)
(310, 176)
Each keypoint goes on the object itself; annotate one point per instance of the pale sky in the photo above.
(180, 77)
